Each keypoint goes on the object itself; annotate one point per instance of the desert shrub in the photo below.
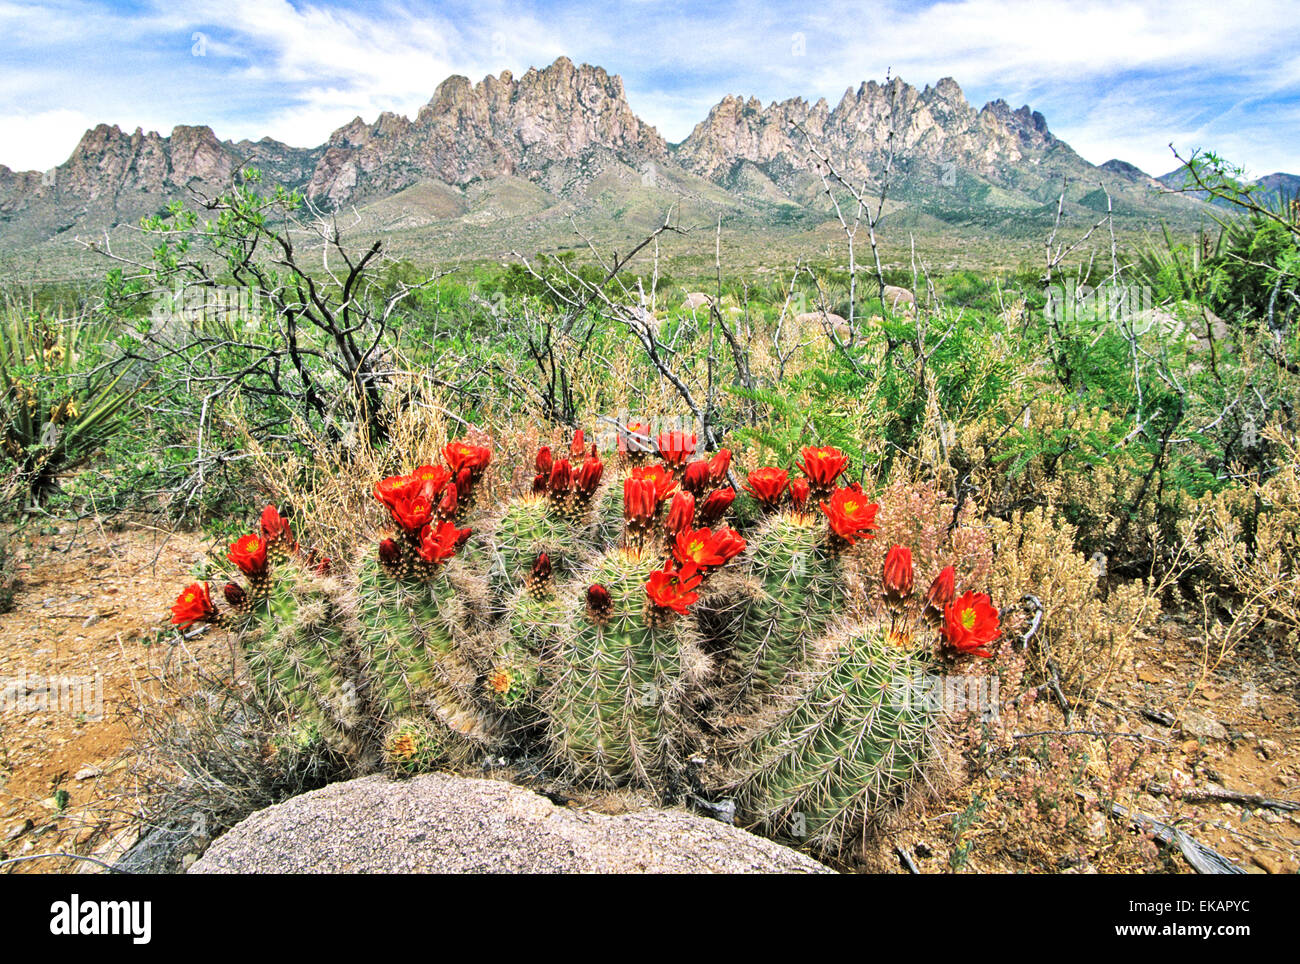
(1085, 634)
(1077, 459)
(1256, 272)
(878, 398)
(208, 753)
(1045, 801)
(1248, 547)
(921, 515)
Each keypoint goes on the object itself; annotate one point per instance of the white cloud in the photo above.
(37, 142)
(1113, 77)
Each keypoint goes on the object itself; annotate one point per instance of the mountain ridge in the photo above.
(569, 130)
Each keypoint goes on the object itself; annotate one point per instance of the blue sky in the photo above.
(1114, 79)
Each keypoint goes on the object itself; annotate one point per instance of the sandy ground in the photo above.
(82, 648)
(91, 618)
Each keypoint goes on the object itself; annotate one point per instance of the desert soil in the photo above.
(90, 617)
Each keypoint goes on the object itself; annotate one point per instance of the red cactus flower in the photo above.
(390, 553)
(590, 475)
(799, 493)
(673, 589)
(249, 554)
(234, 594)
(697, 478)
(540, 481)
(599, 603)
(634, 438)
(719, 465)
(324, 566)
(542, 567)
(274, 526)
(461, 455)
(897, 577)
(412, 514)
(639, 503)
(705, 549)
(675, 447)
(193, 605)
(543, 462)
(696, 549)
(716, 506)
(439, 544)
(448, 503)
(823, 466)
(851, 516)
(431, 479)
(663, 481)
(970, 624)
(578, 447)
(681, 513)
(767, 485)
(561, 477)
(539, 580)
(394, 489)
(728, 543)
(943, 590)
(465, 483)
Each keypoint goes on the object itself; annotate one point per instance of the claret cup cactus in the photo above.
(611, 626)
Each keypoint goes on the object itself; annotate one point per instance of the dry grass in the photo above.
(1085, 632)
(1247, 542)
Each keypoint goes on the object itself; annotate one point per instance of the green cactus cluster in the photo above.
(668, 656)
(857, 734)
(528, 527)
(782, 600)
(616, 683)
(300, 653)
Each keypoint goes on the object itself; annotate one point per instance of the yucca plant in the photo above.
(58, 404)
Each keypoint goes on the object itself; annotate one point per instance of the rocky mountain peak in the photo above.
(564, 127)
(501, 125)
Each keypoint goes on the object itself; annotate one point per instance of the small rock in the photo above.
(188, 860)
(1270, 748)
(1267, 863)
(90, 620)
(1097, 827)
(896, 297)
(18, 829)
(87, 772)
(1201, 726)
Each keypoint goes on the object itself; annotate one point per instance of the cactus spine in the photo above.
(616, 682)
(788, 594)
(408, 632)
(300, 655)
(855, 737)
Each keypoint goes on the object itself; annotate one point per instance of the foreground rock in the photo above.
(445, 824)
